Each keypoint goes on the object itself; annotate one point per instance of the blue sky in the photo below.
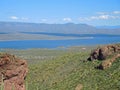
(92, 12)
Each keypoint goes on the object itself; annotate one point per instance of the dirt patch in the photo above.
(79, 87)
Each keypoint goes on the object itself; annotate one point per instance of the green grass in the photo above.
(2, 84)
(66, 72)
(68, 69)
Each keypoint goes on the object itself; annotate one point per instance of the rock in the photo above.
(103, 52)
(79, 87)
(108, 54)
(13, 72)
(107, 63)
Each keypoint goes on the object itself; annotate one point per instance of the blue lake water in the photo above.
(96, 40)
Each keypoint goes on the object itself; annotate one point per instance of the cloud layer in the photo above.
(113, 15)
(102, 16)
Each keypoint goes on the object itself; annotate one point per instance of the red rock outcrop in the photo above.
(108, 54)
(103, 52)
(13, 72)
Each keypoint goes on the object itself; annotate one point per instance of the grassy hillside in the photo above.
(67, 68)
(67, 71)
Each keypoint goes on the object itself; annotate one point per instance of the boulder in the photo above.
(13, 72)
(107, 63)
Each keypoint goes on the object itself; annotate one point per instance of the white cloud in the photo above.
(100, 17)
(67, 19)
(103, 17)
(116, 12)
(19, 18)
(104, 13)
(14, 18)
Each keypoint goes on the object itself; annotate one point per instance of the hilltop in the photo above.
(68, 70)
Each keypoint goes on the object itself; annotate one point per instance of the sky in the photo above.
(92, 12)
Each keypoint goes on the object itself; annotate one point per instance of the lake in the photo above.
(95, 40)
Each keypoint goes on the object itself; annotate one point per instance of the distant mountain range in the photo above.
(108, 27)
(68, 28)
